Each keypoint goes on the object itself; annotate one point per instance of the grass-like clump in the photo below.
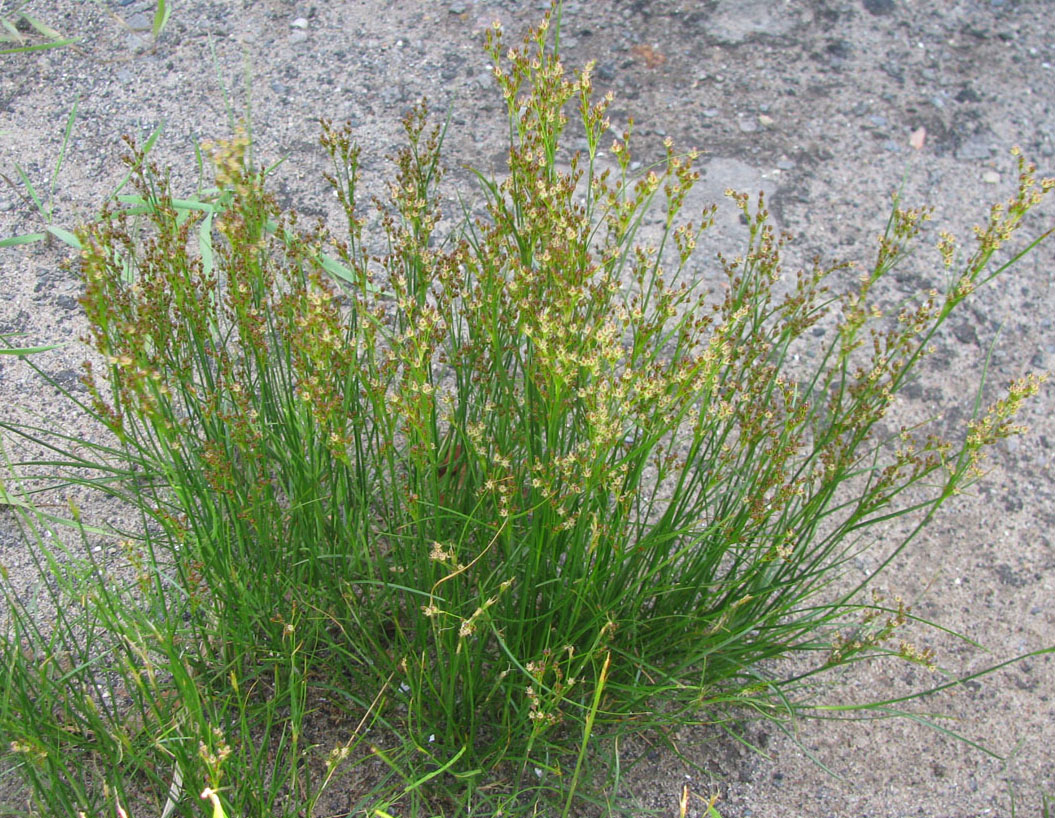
(514, 488)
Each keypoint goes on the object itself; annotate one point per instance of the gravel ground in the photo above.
(814, 101)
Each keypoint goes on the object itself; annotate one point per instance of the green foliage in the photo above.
(15, 23)
(509, 490)
(161, 18)
(44, 204)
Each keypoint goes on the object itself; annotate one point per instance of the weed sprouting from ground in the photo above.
(16, 23)
(486, 500)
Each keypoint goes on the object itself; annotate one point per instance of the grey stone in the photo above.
(136, 42)
(879, 8)
(973, 150)
(140, 21)
(735, 21)
(893, 70)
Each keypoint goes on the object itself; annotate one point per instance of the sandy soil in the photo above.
(814, 101)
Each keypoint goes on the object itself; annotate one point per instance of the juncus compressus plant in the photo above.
(520, 483)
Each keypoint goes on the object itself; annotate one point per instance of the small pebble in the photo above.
(300, 22)
(457, 8)
(298, 37)
(711, 113)
(137, 42)
(765, 120)
(991, 177)
(748, 126)
(140, 21)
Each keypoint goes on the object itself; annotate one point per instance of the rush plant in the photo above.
(517, 486)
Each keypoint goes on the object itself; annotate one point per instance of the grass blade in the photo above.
(27, 238)
(30, 189)
(65, 236)
(587, 731)
(13, 34)
(161, 17)
(38, 47)
(70, 120)
(42, 27)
